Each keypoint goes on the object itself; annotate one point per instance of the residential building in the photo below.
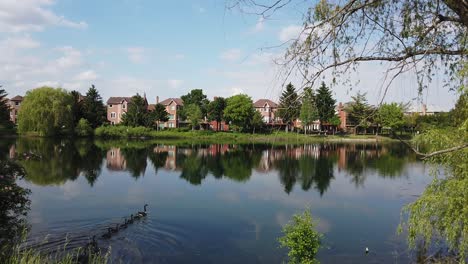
(423, 110)
(173, 107)
(116, 108)
(15, 105)
(267, 109)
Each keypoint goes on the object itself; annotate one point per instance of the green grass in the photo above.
(120, 132)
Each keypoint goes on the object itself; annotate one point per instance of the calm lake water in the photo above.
(219, 203)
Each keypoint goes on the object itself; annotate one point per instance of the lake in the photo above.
(219, 203)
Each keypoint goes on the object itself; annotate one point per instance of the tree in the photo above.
(83, 128)
(289, 106)
(257, 121)
(337, 35)
(359, 111)
(195, 97)
(159, 114)
(301, 238)
(194, 114)
(325, 104)
(137, 112)
(309, 112)
(76, 107)
(335, 121)
(460, 112)
(5, 122)
(391, 116)
(94, 109)
(46, 111)
(216, 110)
(239, 111)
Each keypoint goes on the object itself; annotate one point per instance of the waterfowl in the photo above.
(131, 219)
(116, 229)
(141, 214)
(92, 246)
(108, 234)
(125, 224)
(367, 250)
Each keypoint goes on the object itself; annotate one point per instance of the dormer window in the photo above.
(123, 105)
(110, 105)
(173, 107)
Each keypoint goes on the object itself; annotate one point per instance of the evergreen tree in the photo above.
(5, 122)
(289, 106)
(216, 110)
(159, 114)
(197, 98)
(309, 112)
(359, 111)
(137, 114)
(94, 109)
(76, 107)
(325, 104)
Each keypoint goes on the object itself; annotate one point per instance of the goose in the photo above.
(141, 214)
(116, 229)
(108, 234)
(92, 246)
(367, 250)
(131, 219)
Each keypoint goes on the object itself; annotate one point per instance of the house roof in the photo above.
(151, 107)
(178, 101)
(17, 98)
(118, 100)
(262, 102)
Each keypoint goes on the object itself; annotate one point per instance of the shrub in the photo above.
(301, 238)
(83, 128)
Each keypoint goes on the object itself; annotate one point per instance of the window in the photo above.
(171, 117)
(17, 103)
(123, 106)
(113, 115)
(173, 107)
(110, 106)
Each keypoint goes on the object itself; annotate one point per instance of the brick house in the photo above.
(116, 108)
(267, 109)
(173, 107)
(15, 105)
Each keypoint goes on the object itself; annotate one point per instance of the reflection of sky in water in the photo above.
(222, 220)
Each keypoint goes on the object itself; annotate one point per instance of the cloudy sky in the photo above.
(165, 49)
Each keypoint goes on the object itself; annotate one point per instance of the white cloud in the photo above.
(71, 57)
(259, 26)
(179, 56)
(89, 75)
(231, 55)
(175, 83)
(31, 15)
(136, 54)
(19, 42)
(289, 33)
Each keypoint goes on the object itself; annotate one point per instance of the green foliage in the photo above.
(83, 128)
(137, 113)
(194, 114)
(5, 123)
(309, 111)
(46, 111)
(257, 121)
(94, 109)
(289, 105)
(391, 116)
(216, 109)
(159, 114)
(239, 111)
(359, 111)
(301, 238)
(325, 103)
(460, 112)
(76, 107)
(195, 97)
(122, 131)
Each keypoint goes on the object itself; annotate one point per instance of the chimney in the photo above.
(157, 99)
(424, 109)
(214, 98)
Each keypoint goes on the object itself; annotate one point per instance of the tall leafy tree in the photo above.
(94, 109)
(391, 116)
(5, 122)
(325, 104)
(197, 98)
(309, 112)
(46, 111)
(289, 106)
(239, 112)
(158, 115)
(194, 114)
(359, 111)
(137, 112)
(76, 107)
(216, 110)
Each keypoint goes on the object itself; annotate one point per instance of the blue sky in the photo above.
(162, 48)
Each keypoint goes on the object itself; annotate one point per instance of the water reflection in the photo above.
(297, 166)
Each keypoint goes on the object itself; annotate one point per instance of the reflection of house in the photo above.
(115, 159)
(424, 110)
(15, 104)
(171, 160)
(267, 109)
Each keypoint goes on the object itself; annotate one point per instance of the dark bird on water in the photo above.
(115, 230)
(125, 224)
(131, 219)
(108, 234)
(142, 214)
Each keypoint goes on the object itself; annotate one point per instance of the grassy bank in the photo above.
(120, 132)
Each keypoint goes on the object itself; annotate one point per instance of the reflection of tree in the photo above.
(238, 163)
(14, 205)
(323, 173)
(90, 158)
(158, 159)
(136, 160)
(193, 168)
(288, 169)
